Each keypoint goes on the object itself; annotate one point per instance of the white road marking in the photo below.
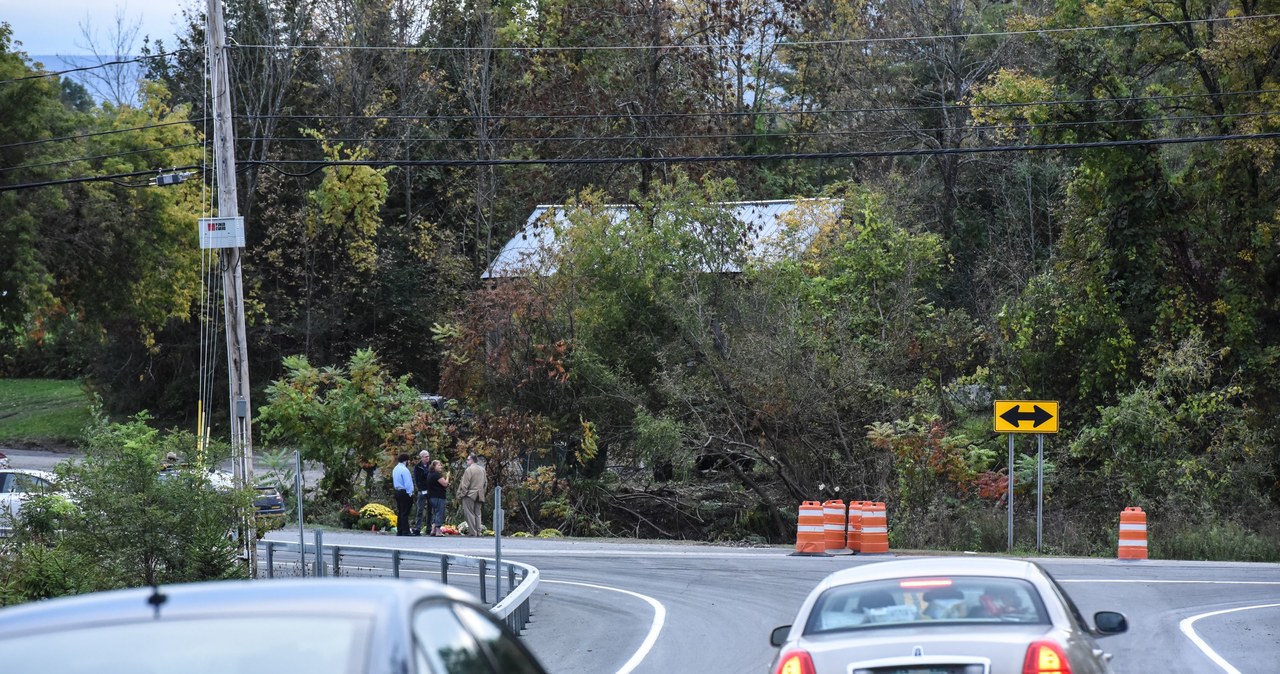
(659, 619)
(1187, 629)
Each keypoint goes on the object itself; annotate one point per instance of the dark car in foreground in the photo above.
(949, 615)
(317, 625)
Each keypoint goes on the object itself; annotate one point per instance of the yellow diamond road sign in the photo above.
(1026, 416)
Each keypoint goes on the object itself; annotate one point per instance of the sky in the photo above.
(53, 27)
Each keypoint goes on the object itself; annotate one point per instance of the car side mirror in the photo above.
(1110, 622)
(779, 635)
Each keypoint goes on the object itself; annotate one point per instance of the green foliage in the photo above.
(1212, 539)
(1185, 441)
(125, 524)
(338, 417)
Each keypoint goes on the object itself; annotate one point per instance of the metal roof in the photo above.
(533, 249)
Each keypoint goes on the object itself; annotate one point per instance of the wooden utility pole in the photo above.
(224, 152)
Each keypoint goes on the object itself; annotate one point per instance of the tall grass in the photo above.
(45, 412)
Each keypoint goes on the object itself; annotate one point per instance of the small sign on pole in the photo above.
(221, 232)
(1026, 416)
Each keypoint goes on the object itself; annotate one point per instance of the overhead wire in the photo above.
(89, 179)
(274, 164)
(98, 157)
(761, 113)
(144, 127)
(781, 133)
(107, 64)
(759, 45)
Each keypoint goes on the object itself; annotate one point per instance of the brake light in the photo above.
(1045, 657)
(924, 582)
(795, 662)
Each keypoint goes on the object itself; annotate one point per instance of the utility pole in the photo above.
(224, 151)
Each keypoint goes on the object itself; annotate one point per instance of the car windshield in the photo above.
(923, 601)
(222, 645)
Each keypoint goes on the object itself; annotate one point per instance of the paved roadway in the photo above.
(623, 607)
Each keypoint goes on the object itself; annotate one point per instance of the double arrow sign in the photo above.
(1026, 416)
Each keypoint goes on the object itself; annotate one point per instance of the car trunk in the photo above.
(934, 649)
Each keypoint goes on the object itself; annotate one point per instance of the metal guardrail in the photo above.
(353, 560)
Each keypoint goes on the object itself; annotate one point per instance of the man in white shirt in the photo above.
(402, 481)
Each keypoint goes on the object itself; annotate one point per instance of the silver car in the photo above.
(317, 626)
(947, 615)
(16, 486)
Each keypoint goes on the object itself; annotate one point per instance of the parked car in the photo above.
(268, 504)
(315, 625)
(17, 485)
(954, 615)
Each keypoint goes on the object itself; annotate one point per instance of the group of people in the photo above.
(428, 482)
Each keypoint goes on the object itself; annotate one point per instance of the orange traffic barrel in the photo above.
(810, 530)
(875, 529)
(854, 529)
(1133, 534)
(834, 522)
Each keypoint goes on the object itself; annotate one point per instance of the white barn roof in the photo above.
(534, 247)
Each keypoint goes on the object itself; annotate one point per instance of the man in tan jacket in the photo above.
(471, 490)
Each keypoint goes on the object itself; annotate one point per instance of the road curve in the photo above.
(595, 610)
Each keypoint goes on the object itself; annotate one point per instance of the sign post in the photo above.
(1027, 416)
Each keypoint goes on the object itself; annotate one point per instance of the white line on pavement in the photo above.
(1187, 629)
(659, 618)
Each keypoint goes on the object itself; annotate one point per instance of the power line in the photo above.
(89, 179)
(58, 73)
(861, 154)
(757, 45)
(773, 134)
(759, 113)
(101, 156)
(144, 127)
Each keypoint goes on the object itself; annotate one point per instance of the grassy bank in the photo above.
(42, 412)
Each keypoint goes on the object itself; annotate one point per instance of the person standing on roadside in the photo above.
(436, 484)
(402, 481)
(420, 470)
(471, 492)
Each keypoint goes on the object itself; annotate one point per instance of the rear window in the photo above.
(925, 601)
(232, 645)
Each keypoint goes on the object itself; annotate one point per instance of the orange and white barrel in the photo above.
(854, 528)
(1133, 534)
(875, 529)
(834, 524)
(810, 530)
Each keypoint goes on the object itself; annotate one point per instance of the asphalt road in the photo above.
(622, 607)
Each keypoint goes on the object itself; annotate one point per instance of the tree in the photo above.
(131, 524)
(338, 417)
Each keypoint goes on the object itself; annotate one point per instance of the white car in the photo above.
(943, 615)
(16, 486)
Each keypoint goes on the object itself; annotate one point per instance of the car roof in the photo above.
(43, 474)
(349, 596)
(935, 566)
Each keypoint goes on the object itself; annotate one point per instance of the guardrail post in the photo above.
(271, 559)
(395, 563)
(319, 553)
(511, 581)
(334, 571)
(484, 597)
(444, 569)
